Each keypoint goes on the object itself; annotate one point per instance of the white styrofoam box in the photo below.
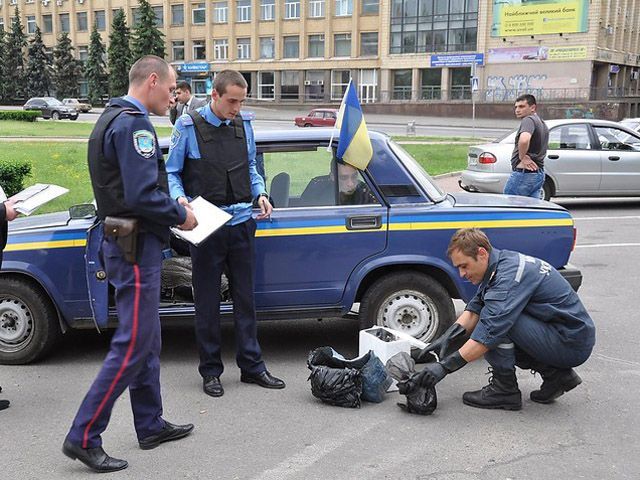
(383, 350)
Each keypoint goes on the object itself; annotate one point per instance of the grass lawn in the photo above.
(55, 128)
(65, 164)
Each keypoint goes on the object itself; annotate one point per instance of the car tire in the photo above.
(28, 322)
(547, 190)
(307, 125)
(411, 302)
(55, 116)
(75, 117)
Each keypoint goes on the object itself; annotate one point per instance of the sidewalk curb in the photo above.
(447, 175)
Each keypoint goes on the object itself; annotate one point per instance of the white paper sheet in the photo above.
(36, 195)
(210, 218)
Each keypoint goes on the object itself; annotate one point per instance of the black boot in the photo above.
(501, 392)
(555, 382)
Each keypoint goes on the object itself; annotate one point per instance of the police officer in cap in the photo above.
(213, 155)
(130, 186)
(524, 314)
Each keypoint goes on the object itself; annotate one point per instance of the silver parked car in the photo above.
(586, 157)
(632, 123)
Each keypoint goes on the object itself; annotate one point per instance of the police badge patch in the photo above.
(175, 136)
(144, 143)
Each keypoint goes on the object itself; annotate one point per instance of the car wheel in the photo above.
(413, 303)
(55, 116)
(307, 124)
(547, 190)
(75, 117)
(28, 322)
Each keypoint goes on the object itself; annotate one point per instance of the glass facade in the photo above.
(419, 26)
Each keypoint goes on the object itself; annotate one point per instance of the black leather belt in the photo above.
(524, 170)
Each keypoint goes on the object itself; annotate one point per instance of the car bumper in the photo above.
(572, 275)
(484, 182)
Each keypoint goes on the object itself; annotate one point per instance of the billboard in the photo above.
(539, 17)
(456, 60)
(535, 54)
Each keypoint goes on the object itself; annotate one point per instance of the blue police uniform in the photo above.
(530, 314)
(232, 246)
(130, 146)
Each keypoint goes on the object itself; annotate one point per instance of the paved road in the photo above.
(590, 433)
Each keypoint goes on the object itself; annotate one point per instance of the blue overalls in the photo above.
(133, 359)
(232, 246)
(530, 315)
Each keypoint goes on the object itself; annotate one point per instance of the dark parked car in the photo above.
(318, 255)
(51, 107)
(318, 117)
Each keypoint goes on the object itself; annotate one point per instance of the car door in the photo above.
(97, 284)
(572, 161)
(620, 155)
(328, 121)
(312, 243)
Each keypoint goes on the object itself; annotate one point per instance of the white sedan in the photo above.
(586, 157)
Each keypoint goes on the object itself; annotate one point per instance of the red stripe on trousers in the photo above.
(127, 357)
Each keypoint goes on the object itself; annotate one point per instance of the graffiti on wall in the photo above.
(501, 89)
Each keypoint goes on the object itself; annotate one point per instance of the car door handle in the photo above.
(554, 157)
(364, 222)
(614, 158)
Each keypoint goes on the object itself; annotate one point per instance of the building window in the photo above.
(266, 85)
(339, 82)
(291, 9)
(81, 21)
(177, 14)
(159, 12)
(198, 14)
(402, 84)
(267, 47)
(47, 24)
(177, 48)
(83, 53)
(314, 85)
(267, 9)
(460, 87)
(135, 16)
(430, 83)
(439, 26)
(2, 23)
(220, 11)
(31, 23)
(316, 8)
(199, 50)
(244, 49)
(371, 7)
(368, 44)
(221, 49)
(83, 88)
(344, 8)
(316, 46)
(64, 22)
(368, 85)
(342, 45)
(243, 12)
(289, 85)
(291, 47)
(100, 20)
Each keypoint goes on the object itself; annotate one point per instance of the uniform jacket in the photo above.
(179, 109)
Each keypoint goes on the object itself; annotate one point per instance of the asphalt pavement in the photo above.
(251, 433)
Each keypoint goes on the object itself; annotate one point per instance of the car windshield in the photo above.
(633, 125)
(54, 102)
(416, 170)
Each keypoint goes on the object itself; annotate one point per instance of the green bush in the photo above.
(21, 115)
(12, 175)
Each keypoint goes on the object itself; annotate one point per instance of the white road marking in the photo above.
(608, 245)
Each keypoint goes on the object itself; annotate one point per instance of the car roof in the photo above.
(591, 121)
(324, 110)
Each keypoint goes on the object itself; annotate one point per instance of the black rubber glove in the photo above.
(432, 373)
(440, 345)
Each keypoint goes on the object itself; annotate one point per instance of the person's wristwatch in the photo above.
(262, 195)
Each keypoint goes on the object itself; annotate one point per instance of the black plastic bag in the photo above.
(422, 401)
(341, 387)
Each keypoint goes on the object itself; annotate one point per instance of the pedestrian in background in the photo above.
(130, 186)
(7, 214)
(527, 160)
(183, 102)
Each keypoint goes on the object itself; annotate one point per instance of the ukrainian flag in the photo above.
(355, 145)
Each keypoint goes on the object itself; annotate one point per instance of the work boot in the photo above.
(555, 382)
(501, 392)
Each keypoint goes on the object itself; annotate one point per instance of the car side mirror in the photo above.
(83, 210)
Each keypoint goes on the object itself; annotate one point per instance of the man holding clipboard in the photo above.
(213, 155)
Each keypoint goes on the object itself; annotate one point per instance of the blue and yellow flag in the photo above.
(355, 145)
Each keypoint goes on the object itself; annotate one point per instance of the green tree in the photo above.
(119, 58)
(14, 59)
(147, 38)
(38, 68)
(66, 69)
(95, 68)
(3, 63)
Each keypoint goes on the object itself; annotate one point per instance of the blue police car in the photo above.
(338, 237)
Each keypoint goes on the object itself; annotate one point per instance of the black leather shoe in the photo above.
(94, 458)
(4, 404)
(169, 433)
(264, 379)
(212, 386)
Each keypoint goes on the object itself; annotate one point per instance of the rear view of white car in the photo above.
(586, 157)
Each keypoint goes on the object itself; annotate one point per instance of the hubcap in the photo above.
(16, 324)
(411, 312)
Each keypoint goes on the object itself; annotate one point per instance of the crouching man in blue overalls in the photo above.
(524, 314)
